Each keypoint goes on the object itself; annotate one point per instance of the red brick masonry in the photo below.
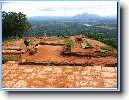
(33, 76)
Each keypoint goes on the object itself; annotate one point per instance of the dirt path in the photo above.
(45, 53)
(31, 76)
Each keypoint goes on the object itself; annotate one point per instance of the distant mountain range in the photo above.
(87, 16)
(48, 17)
(84, 16)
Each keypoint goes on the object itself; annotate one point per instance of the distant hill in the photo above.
(48, 17)
(83, 16)
(73, 25)
(86, 16)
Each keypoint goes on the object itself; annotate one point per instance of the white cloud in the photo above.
(62, 8)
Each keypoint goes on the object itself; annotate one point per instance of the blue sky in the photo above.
(61, 8)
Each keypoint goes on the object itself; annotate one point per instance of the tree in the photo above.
(14, 24)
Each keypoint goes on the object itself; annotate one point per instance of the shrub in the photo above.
(42, 39)
(85, 45)
(30, 41)
(106, 48)
(89, 45)
(11, 58)
(68, 41)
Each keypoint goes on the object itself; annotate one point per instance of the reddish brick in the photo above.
(96, 68)
(108, 75)
(110, 83)
(20, 84)
(108, 69)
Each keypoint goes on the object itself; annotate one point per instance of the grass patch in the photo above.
(11, 58)
(68, 41)
(30, 41)
(106, 48)
(88, 44)
(53, 38)
(11, 40)
(42, 39)
(84, 45)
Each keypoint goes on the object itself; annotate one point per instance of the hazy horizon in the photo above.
(61, 8)
(68, 16)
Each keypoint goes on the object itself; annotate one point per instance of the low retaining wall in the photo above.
(110, 65)
(17, 49)
(54, 63)
(12, 52)
(95, 54)
(67, 52)
(54, 44)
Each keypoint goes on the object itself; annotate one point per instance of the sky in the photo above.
(61, 8)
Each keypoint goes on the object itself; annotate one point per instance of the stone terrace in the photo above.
(33, 76)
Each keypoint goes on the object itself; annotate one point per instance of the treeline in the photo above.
(109, 41)
(69, 27)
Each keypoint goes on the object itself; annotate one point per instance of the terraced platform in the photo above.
(38, 76)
